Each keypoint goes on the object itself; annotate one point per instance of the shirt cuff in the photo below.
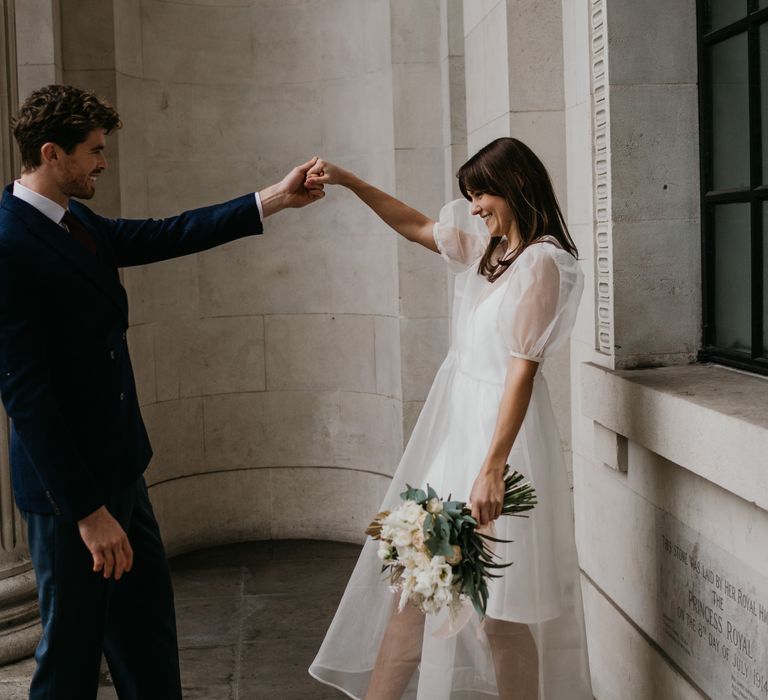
(258, 204)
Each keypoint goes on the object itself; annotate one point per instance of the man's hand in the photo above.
(107, 543)
(291, 191)
(325, 173)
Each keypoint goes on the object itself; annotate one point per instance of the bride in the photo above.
(517, 289)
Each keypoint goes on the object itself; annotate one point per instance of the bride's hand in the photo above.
(325, 173)
(487, 496)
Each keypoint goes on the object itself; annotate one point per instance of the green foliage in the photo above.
(454, 525)
(412, 494)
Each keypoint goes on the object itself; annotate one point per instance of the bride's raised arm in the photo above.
(408, 222)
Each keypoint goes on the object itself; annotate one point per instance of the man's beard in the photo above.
(79, 187)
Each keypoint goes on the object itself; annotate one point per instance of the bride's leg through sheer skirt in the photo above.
(515, 657)
(399, 655)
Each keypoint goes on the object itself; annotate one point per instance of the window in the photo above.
(733, 82)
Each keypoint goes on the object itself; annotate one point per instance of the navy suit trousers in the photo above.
(132, 621)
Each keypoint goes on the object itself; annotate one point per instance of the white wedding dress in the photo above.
(528, 312)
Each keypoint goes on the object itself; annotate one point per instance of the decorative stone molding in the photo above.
(19, 619)
(11, 530)
(602, 178)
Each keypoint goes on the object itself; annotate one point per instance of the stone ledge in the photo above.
(708, 419)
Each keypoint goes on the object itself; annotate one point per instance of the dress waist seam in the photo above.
(459, 370)
(538, 378)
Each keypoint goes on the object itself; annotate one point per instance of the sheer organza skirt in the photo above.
(541, 588)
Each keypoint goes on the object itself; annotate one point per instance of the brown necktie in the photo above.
(78, 231)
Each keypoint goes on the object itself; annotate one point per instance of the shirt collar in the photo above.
(45, 206)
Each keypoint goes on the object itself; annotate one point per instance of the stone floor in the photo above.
(250, 617)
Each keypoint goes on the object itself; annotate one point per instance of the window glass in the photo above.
(765, 276)
(732, 283)
(764, 94)
(720, 13)
(730, 113)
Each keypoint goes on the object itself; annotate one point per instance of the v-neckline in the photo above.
(486, 294)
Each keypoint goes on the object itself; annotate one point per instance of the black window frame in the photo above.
(756, 194)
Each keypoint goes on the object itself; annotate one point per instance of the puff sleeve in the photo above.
(460, 237)
(540, 304)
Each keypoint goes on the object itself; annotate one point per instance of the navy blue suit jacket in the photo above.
(65, 375)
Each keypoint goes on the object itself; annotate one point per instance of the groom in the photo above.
(78, 443)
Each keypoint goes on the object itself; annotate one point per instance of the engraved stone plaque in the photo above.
(714, 613)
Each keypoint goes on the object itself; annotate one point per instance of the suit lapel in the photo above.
(54, 236)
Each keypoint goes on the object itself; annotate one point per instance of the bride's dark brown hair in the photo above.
(507, 168)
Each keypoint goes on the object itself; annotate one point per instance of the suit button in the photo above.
(53, 503)
(123, 335)
(111, 354)
(122, 396)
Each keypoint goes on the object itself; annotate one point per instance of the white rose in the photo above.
(403, 538)
(395, 518)
(435, 505)
(412, 558)
(410, 512)
(424, 583)
(442, 597)
(445, 573)
(385, 551)
(441, 571)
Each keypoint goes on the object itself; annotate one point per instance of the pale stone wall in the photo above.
(38, 43)
(270, 368)
(419, 151)
(632, 178)
(686, 443)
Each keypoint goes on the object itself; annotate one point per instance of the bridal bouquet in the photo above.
(433, 552)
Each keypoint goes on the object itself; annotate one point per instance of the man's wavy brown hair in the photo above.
(59, 114)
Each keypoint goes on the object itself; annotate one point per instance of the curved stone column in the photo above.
(19, 619)
(271, 387)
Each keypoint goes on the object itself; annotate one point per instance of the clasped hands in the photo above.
(301, 186)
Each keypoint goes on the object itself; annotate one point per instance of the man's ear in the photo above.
(49, 151)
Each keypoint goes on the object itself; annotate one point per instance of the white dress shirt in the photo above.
(47, 207)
